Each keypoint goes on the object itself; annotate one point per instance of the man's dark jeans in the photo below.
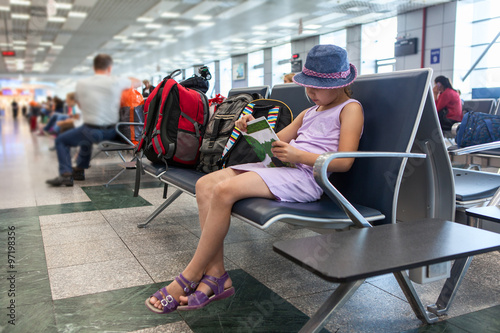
(83, 137)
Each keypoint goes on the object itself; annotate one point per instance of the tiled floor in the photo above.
(82, 265)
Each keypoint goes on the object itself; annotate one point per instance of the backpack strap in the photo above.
(272, 116)
(235, 134)
(192, 121)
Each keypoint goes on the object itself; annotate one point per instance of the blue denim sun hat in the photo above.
(326, 67)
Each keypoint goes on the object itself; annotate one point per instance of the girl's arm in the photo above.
(289, 133)
(442, 101)
(351, 120)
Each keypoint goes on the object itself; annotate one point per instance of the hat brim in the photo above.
(322, 83)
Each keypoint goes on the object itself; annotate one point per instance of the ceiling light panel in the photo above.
(65, 6)
(145, 19)
(57, 19)
(170, 15)
(19, 16)
(77, 14)
(20, 2)
(153, 26)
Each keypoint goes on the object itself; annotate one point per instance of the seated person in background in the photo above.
(58, 105)
(99, 100)
(62, 119)
(148, 88)
(74, 118)
(288, 78)
(448, 103)
(335, 123)
(47, 107)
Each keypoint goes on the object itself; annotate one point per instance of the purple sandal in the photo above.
(168, 301)
(199, 300)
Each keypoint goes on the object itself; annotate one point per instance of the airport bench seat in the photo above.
(258, 211)
(474, 187)
(387, 129)
(489, 213)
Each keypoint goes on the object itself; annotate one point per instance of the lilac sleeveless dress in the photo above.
(319, 133)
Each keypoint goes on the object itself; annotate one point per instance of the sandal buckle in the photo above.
(167, 300)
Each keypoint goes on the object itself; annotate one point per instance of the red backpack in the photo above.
(175, 118)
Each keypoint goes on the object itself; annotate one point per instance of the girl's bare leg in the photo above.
(215, 218)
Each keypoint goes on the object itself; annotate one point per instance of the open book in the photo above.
(260, 136)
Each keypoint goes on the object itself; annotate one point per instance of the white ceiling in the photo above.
(57, 39)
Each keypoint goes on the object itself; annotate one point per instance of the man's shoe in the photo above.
(61, 180)
(78, 174)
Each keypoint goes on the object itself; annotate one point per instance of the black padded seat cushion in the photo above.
(474, 185)
(261, 210)
(154, 169)
(184, 179)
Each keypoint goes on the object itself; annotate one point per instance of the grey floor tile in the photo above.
(290, 280)
(179, 327)
(72, 254)
(61, 196)
(78, 234)
(96, 277)
(253, 253)
(143, 245)
(120, 310)
(369, 310)
(478, 290)
(126, 224)
(72, 219)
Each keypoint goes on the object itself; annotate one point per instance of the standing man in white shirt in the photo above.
(98, 98)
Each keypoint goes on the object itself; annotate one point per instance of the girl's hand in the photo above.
(285, 152)
(242, 122)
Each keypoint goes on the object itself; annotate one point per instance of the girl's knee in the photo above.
(224, 192)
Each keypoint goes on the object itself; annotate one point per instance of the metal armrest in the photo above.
(474, 149)
(321, 177)
(454, 129)
(117, 128)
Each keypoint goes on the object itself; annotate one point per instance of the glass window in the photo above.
(479, 22)
(338, 38)
(188, 72)
(226, 77)
(377, 43)
(280, 62)
(256, 68)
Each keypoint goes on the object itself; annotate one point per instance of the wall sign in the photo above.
(435, 56)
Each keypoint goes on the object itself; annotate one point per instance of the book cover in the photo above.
(260, 136)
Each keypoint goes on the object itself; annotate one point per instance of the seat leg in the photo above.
(450, 287)
(411, 295)
(165, 190)
(334, 302)
(116, 176)
(160, 209)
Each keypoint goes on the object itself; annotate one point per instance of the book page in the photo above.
(260, 136)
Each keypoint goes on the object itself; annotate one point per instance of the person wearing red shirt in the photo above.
(448, 103)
